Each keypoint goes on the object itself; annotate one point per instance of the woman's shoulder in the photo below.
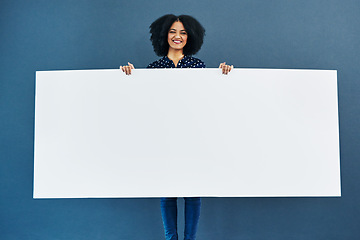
(193, 62)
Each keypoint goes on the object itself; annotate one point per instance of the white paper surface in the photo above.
(186, 132)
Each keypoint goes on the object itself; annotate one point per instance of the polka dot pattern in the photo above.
(186, 62)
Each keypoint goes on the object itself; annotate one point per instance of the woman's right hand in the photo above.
(127, 68)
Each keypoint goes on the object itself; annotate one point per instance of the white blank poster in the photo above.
(186, 132)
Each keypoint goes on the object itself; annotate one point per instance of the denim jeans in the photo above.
(169, 215)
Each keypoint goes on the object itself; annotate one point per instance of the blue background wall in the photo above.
(51, 35)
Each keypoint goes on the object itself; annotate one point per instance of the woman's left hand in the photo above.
(226, 68)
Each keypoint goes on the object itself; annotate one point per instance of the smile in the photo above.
(177, 41)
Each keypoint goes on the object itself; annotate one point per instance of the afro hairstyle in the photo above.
(159, 33)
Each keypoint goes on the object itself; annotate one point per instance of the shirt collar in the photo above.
(166, 59)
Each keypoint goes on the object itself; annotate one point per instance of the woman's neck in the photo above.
(175, 55)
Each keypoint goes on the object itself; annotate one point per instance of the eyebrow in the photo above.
(175, 29)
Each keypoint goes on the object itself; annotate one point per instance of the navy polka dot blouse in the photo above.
(186, 62)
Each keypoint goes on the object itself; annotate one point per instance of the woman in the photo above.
(176, 39)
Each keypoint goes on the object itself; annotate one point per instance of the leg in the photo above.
(169, 215)
(192, 214)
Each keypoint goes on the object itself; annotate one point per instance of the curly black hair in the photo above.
(159, 33)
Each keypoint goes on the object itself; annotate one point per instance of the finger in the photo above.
(226, 69)
(222, 67)
(128, 70)
(131, 65)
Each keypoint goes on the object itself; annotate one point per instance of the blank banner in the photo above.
(186, 132)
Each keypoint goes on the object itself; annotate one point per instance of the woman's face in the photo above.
(177, 36)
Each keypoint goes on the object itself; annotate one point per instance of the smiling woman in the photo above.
(176, 39)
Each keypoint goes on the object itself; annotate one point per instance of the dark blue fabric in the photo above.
(169, 214)
(186, 62)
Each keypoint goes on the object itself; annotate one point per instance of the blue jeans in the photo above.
(169, 215)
